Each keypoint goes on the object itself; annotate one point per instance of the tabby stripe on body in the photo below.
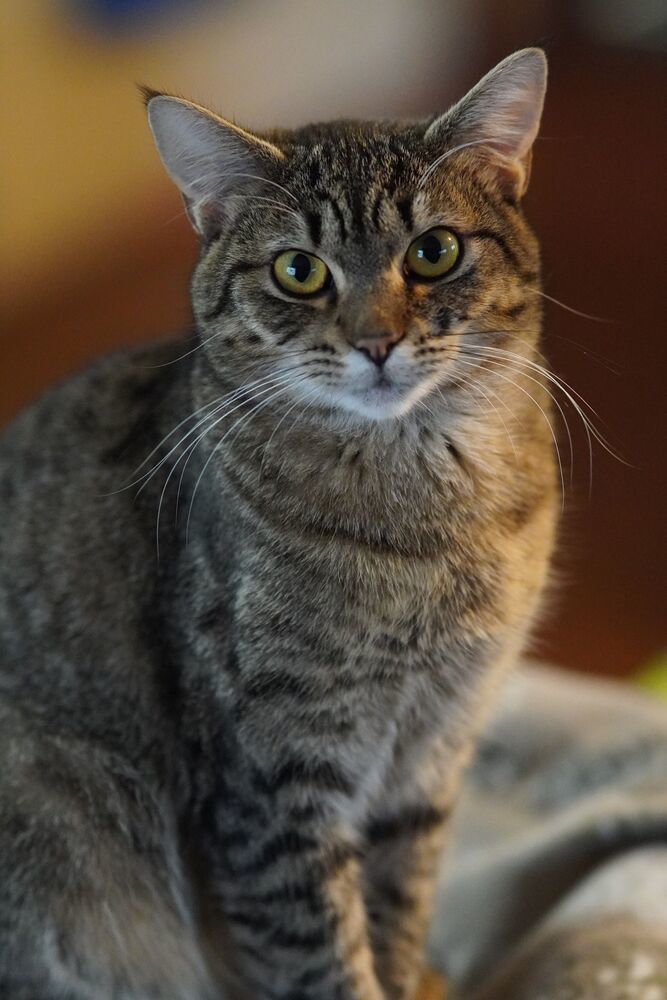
(229, 765)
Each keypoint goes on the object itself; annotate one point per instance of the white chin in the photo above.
(379, 402)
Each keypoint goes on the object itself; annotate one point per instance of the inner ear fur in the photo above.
(500, 118)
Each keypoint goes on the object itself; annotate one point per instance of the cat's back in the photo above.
(80, 423)
(77, 568)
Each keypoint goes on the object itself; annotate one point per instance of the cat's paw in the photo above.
(431, 987)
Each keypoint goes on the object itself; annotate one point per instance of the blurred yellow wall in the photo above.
(77, 156)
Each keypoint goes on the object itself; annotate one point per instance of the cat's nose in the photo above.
(378, 346)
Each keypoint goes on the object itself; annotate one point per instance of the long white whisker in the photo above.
(450, 152)
(190, 448)
(544, 371)
(244, 416)
(219, 404)
(202, 343)
(190, 416)
(265, 180)
(568, 391)
(165, 364)
(179, 215)
(222, 403)
(475, 388)
(495, 409)
(302, 413)
(422, 403)
(265, 450)
(213, 403)
(570, 309)
(469, 383)
(271, 201)
(486, 354)
(520, 357)
(542, 411)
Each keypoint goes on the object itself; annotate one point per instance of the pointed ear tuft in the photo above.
(207, 157)
(147, 93)
(501, 117)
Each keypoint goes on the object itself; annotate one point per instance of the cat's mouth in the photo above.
(381, 398)
(382, 392)
(383, 386)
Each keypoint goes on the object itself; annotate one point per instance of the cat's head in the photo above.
(348, 264)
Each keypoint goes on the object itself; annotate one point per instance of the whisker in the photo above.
(462, 380)
(219, 403)
(202, 343)
(510, 354)
(570, 309)
(495, 409)
(262, 386)
(584, 348)
(169, 222)
(546, 418)
(283, 388)
(266, 447)
(223, 401)
(423, 403)
(485, 353)
(157, 447)
(265, 180)
(191, 447)
(219, 400)
(450, 152)
(568, 391)
(476, 388)
(270, 201)
(165, 364)
(302, 412)
(600, 359)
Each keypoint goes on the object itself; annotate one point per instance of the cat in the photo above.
(256, 592)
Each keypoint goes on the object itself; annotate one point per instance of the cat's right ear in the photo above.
(206, 156)
(500, 117)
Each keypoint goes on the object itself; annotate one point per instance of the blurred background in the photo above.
(96, 253)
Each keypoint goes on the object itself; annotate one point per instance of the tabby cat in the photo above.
(256, 591)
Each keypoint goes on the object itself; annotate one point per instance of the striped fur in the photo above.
(229, 765)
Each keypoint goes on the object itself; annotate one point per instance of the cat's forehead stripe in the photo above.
(338, 214)
(355, 181)
(404, 206)
(314, 224)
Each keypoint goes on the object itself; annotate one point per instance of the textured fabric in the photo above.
(556, 886)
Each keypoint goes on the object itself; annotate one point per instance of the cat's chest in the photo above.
(375, 648)
(355, 605)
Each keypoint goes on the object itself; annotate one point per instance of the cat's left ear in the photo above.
(207, 157)
(500, 116)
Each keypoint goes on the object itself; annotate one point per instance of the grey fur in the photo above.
(227, 767)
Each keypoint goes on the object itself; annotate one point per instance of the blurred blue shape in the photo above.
(132, 16)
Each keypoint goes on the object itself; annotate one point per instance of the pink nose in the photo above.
(378, 346)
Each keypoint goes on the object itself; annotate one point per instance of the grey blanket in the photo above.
(556, 887)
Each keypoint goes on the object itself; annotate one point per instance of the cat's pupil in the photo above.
(430, 249)
(300, 267)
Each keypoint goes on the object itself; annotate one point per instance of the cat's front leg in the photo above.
(405, 845)
(287, 880)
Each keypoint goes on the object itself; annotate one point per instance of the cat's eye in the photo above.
(301, 273)
(433, 254)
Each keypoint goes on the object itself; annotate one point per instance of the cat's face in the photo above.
(344, 265)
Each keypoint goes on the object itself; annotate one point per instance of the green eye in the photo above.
(301, 273)
(433, 254)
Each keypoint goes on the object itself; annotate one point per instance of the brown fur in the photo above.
(274, 710)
